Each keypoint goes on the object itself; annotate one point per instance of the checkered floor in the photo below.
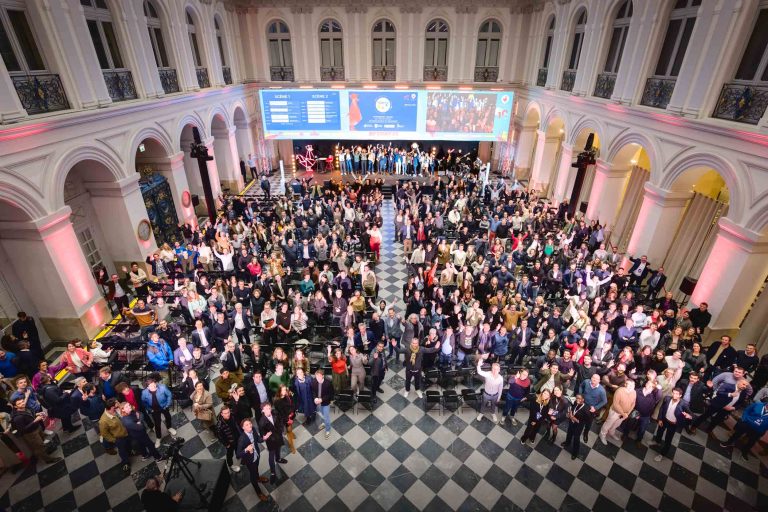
(401, 458)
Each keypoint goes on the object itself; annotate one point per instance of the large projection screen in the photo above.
(386, 114)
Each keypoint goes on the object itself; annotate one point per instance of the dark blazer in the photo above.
(243, 442)
(699, 393)
(682, 406)
(253, 395)
(536, 408)
(246, 319)
(721, 399)
(419, 360)
(727, 357)
(324, 392)
(275, 440)
(196, 337)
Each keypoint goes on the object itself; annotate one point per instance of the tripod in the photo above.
(180, 464)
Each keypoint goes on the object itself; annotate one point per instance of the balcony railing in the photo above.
(435, 73)
(202, 77)
(742, 103)
(227, 73)
(605, 84)
(281, 73)
(40, 93)
(169, 80)
(486, 74)
(383, 73)
(658, 92)
(120, 85)
(569, 78)
(331, 73)
(541, 78)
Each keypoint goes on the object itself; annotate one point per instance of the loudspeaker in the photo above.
(215, 476)
(688, 285)
(195, 200)
(590, 141)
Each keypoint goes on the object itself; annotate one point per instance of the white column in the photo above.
(645, 27)
(755, 328)
(561, 190)
(120, 208)
(657, 222)
(181, 49)
(524, 150)
(139, 48)
(607, 193)
(228, 161)
(537, 172)
(733, 274)
(588, 64)
(56, 275)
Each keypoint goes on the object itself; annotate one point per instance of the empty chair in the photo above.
(451, 400)
(345, 400)
(431, 399)
(449, 378)
(470, 398)
(365, 398)
(431, 377)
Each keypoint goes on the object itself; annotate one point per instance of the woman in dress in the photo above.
(338, 369)
(375, 241)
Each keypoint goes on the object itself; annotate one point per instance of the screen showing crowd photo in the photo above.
(386, 114)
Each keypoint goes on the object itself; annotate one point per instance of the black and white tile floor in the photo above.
(401, 458)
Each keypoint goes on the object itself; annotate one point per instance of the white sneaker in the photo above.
(479, 417)
(603, 439)
(405, 393)
(419, 394)
(48, 432)
(235, 468)
(157, 443)
(657, 458)
(172, 431)
(495, 419)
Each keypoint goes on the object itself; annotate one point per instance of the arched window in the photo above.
(225, 71)
(746, 98)
(202, 72)
(118, 79)
(331, 51)
(280, 56)
(38, 90)
(488, 48)
(659, 87)
(168, 77)
(384, 44)
(569, 75)
(436, 51)
(541, 79)
(607, 79)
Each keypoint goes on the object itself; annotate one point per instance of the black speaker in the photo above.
(215, 476)
(688, 285)
(590, 141)
(195, 200)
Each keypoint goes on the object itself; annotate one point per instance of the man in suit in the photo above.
(232, 360)
(258, 393)
(695, 392)
(202, 337)
(521, 341)
(364, 339)
(721, 357)
(271, 429)
(656, 283)
(728, 397)
(673, 414)
(239, 319)
(249, 453)
(597, 339)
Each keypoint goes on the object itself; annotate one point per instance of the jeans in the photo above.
(642, 426)
(511, 405)
(488, 405)
(325, 412)
(445, 359)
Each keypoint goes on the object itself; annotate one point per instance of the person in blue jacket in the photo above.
(753, 424)
(159, 352)
(157, 400)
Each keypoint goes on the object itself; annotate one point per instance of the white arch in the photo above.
(634, 137)
(587, 123)
(27, 200)
(535, 107)
(155, 133)
(110, 161)
(195, 120)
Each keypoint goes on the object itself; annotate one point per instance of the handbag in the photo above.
(205, 415)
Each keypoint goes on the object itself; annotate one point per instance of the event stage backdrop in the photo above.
(386, 114)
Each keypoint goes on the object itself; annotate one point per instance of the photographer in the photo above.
(30, 427)
(154, 499)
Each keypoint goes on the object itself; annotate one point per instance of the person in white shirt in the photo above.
(494, 383)
(649, 337)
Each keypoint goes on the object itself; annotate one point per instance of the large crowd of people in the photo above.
(274, 309)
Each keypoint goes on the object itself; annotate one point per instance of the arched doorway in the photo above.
(191, 133)
(225, 153)
(531, 141)
(695, 228)
(244, 139)
(43, 271)
(617, 193)
(544, 174)
(570, 178)
(154, 169)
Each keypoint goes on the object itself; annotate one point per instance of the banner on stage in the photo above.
(386, 114)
